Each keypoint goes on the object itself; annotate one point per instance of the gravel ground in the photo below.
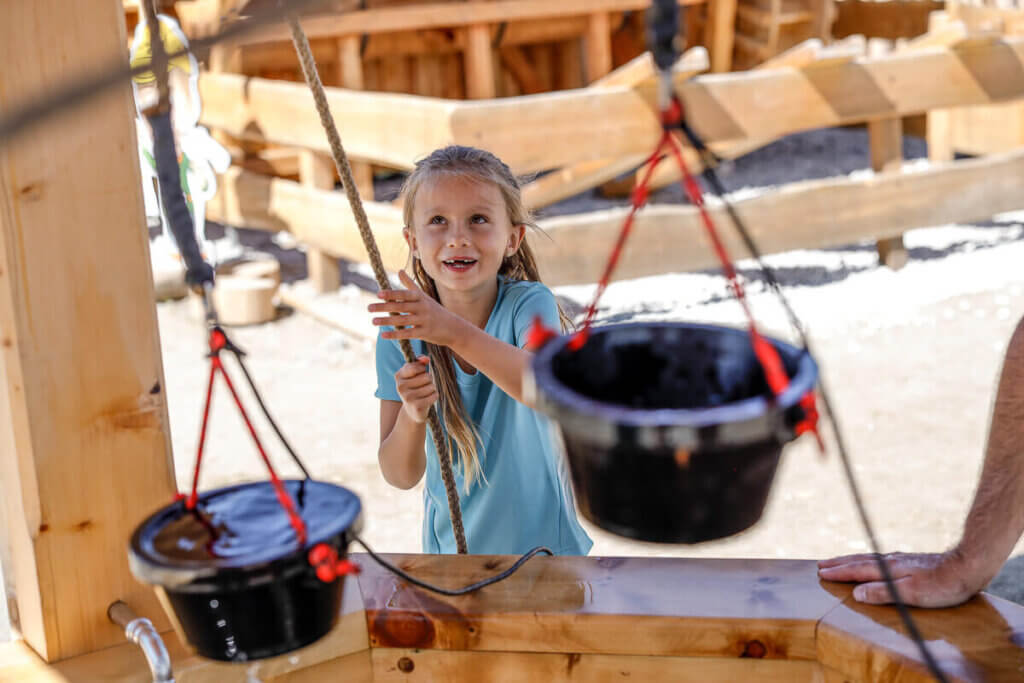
(911, 358)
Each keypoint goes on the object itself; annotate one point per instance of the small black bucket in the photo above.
(231, 574)
(671, 430)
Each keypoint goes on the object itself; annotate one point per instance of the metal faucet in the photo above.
(141, 631)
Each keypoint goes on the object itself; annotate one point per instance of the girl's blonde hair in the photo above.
(481, 166)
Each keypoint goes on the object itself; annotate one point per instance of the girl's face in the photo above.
(461, 232)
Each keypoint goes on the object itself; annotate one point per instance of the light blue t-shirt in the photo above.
(527, 500)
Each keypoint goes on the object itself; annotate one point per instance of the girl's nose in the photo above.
(458, 236)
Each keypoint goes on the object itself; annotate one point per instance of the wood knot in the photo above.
(406, 665)
(32, 192)
(754, 649)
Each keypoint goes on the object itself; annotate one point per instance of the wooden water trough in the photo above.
(86, 455)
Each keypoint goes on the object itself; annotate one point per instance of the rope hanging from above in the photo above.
(312, 76)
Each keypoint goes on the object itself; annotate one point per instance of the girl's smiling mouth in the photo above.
(459, 265)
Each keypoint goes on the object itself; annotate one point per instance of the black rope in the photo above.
(449, 591)
(239, 353)
(710, 160)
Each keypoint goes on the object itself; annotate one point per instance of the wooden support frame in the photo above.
(594, 124)
(85, 453)
(885, 140)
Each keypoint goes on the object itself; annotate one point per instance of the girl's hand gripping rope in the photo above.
(416, 387)
(421, 318)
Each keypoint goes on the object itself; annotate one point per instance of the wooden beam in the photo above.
(350, 76)
(598, 45)
(806, 53)
(585, 175)
(84, 439)
(479, 62)
(514, 59)
(720, 32)
(806, 215)
(444, 15)
(316, 171)
(317, 218)
(734, 106)
(386, 128)
(885, 139)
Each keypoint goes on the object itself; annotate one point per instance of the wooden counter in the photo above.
(602, 618)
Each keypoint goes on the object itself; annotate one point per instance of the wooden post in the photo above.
(479, 63)
(84, 445)
(317, 170)
(720, 32)
(885, 139)
(598, 45)
(350, 67)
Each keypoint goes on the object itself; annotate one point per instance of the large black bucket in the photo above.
(671, 431)
(231, 574)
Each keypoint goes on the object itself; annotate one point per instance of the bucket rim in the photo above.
(680, 426)
(153, 567)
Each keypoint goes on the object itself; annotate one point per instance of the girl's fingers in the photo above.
(398, 295)
(403, 321)
(408, 281)
(405, 333)
(410, 370)
(392, 307)
(418, 382)
(422, 394)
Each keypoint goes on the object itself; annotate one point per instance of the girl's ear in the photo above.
(515, 239)
(410, 239)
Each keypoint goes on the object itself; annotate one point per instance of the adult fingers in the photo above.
(867, 569)
(404, 333)
(877, 592)
(843, 559)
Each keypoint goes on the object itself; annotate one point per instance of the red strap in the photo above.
(217, 343)
(324, 559)
(767, 355)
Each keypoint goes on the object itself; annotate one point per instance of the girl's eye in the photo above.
(437, 220)
(479, 218)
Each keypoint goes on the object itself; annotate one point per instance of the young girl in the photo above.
(468, 311)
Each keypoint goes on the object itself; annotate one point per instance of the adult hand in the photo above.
(416, 388)
(422, 317)
(922, 579)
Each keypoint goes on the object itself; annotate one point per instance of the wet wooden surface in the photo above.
(633, 606)
(596, 619)
(980, 641)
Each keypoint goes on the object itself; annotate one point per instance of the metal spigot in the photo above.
(141, 631)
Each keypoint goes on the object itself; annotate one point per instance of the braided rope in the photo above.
(309, 70)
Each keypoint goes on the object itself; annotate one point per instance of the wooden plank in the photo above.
(885, 141)
(84, 441)
(582, 176)
(720, 30)
(734, 106)
(568, 73)
(511, 667)
(663, 607)
(479, 63)
(316, 171)
(598, 46)
(868, 643)
(807, 215)
(444, 15)
(385, 128)
(317, 218)
(803, 54)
